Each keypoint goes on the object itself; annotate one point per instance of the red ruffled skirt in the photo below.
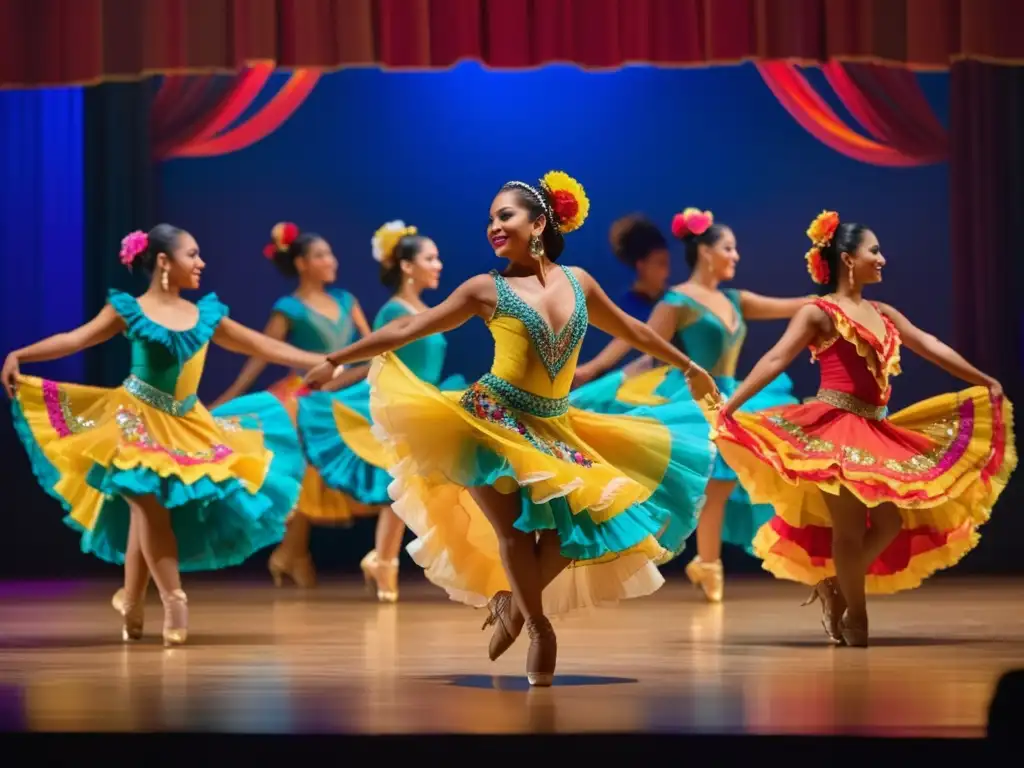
(942, 463)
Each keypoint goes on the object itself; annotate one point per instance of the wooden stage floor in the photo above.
(261, 660)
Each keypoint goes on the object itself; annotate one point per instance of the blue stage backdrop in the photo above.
(41, 134)
(432, 149)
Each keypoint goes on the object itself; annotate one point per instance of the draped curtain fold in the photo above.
(198, 116)
(888, 103)
(865, 48)
(51, 42)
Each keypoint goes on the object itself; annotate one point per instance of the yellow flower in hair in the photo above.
(386, 238)
(568, 200)
(823, 228)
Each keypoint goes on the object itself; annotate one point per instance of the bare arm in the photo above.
(103, 327)
(476, 296)
(936, 352)
(754, 306)
(662, 321)
(235, 337)
(359, 320)
(607, 316)
(276, 328)
(347, 378)
(808, 324)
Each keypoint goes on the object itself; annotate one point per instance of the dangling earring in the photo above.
(409, 281)
(536, 247)
(850, 273)
(163, 279)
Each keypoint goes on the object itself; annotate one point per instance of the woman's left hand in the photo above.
(320, 375)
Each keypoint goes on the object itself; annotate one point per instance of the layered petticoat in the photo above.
(657, 394)
(318, 501)
(942, 463)
(338, 438)
(229, 478)
(621, 492)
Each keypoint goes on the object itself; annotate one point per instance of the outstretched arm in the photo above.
(357, 373)
(936, 352)
(754, 306)
(604, 314)
(662, 321)
(277, 328)
(104, 326)
(808, 324)
(476, 296)
(235, 337)
(346, 378)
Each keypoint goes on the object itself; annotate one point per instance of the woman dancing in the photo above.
(505, 486)
(336, 426)
(316, 318)
(638, 243)
(865, 501)
(711, 324)
(148, 476)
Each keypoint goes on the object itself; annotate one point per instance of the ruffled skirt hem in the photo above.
(942, 464)
(229, 479)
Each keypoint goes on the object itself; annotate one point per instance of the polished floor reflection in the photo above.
(262, 660)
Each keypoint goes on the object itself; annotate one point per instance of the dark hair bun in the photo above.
(633, 238)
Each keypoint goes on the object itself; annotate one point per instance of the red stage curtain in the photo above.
(195, 116)
(986, 187)
(62, 42)
(886, 101)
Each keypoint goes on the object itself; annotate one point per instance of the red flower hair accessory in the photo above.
(691, 221)
(821, 232)
(281, 236)
(569, 202)
(132, 245)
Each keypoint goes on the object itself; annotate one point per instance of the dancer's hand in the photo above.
(702, 385)
(10, 374)
(317, 377)
(994, 387)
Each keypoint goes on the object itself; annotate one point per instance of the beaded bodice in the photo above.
(705, 336)
(528, 354)
(312, 331)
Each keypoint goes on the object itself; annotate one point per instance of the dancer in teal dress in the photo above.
(144, 471)
(639, 244)
(710, 324)
(316, 317)
(336, 426)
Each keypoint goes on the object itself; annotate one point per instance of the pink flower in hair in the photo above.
(132, 245)
(692, 221)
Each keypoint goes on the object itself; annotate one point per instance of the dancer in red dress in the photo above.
(865, 501)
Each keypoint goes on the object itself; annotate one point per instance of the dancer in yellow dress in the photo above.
(505, 486)
(149, 477)
(865, 501)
